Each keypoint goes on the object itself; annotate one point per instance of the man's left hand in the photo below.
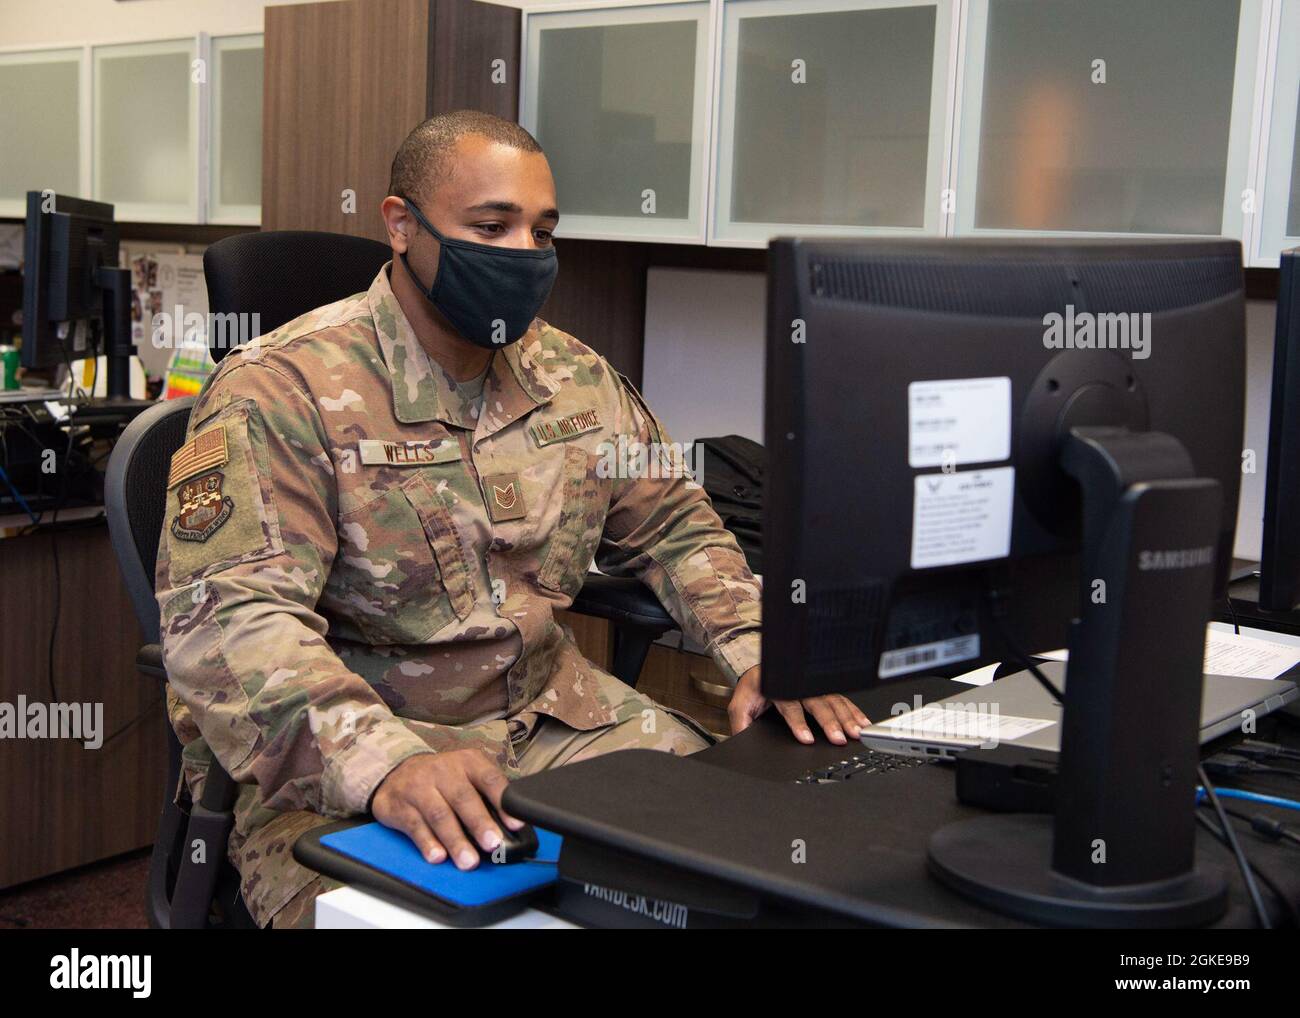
(836, 714)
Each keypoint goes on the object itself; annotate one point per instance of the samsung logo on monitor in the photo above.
(1181, 558)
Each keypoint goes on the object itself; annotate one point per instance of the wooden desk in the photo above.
(62, 805)
(675, 678)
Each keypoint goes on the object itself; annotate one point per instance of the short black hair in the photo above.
(422, 162)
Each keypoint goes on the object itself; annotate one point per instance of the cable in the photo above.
(58, 578)
(1026, 663)
(1260, 797)
(75, 392)
(58, 607)
(1257, 750)
(96, 334)
(1267, 827)
(1232, 610)
(1234, 768)
(1247, 874)
(1268, 881)
(18, 496)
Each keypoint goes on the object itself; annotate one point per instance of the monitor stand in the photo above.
(1121, 849)
(115, 285)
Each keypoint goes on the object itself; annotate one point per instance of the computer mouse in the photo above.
(516, 846)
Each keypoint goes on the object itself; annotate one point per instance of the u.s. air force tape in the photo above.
(375, 452)
(546, 432)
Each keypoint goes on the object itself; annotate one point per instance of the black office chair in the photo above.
(282, 274)
(182, 893)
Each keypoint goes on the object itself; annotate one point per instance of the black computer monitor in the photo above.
(979, 450)
(1279, 566)
(75, 298)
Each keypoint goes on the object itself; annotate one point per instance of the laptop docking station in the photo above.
(1008, 779)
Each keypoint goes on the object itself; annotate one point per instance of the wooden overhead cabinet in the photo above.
(345, 83)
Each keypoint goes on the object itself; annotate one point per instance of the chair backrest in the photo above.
(278, 275)
(135, 500)
(281, 274)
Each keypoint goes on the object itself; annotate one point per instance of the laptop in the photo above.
(1017, 710)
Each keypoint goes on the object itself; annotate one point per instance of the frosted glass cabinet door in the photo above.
(1107, 116)
(832, 118)
(1279, 212)
(235, 158)
(619, 99)
(40, 126)
(146, 131)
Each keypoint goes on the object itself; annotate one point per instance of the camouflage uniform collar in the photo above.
(422, 391)
(517, 383)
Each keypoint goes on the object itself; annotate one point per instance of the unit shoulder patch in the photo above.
(203, 507)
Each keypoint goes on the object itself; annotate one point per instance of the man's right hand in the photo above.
(436, 798)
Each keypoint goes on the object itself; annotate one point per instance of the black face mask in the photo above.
(489, 294)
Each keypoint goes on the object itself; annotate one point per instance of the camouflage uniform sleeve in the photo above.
(248, 539)
(662, 528)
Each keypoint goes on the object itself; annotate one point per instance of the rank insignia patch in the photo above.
(505, 497)
(203, 508)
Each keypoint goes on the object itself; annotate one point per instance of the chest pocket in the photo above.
(404, 574)
(585, 503)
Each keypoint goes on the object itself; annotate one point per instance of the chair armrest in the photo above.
(624, 601)
(149, 662)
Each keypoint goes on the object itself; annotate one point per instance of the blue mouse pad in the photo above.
(392, 852)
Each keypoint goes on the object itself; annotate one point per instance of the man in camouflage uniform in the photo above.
(374, 520)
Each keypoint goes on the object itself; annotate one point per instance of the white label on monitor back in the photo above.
(962, 517)
(960, 420)
(928, 655)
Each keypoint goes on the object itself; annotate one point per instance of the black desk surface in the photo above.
(1247, 612)
(734, 813)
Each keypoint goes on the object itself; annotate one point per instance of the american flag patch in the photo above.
(204, 452)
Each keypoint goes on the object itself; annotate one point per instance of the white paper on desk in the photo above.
(1228, 654)
(978, 677)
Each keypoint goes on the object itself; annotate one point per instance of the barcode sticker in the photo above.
(928, 655)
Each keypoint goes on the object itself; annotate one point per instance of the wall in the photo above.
(710, 327)
(1261, 317)
(704, 349)
(703, 372)
(74, 22)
